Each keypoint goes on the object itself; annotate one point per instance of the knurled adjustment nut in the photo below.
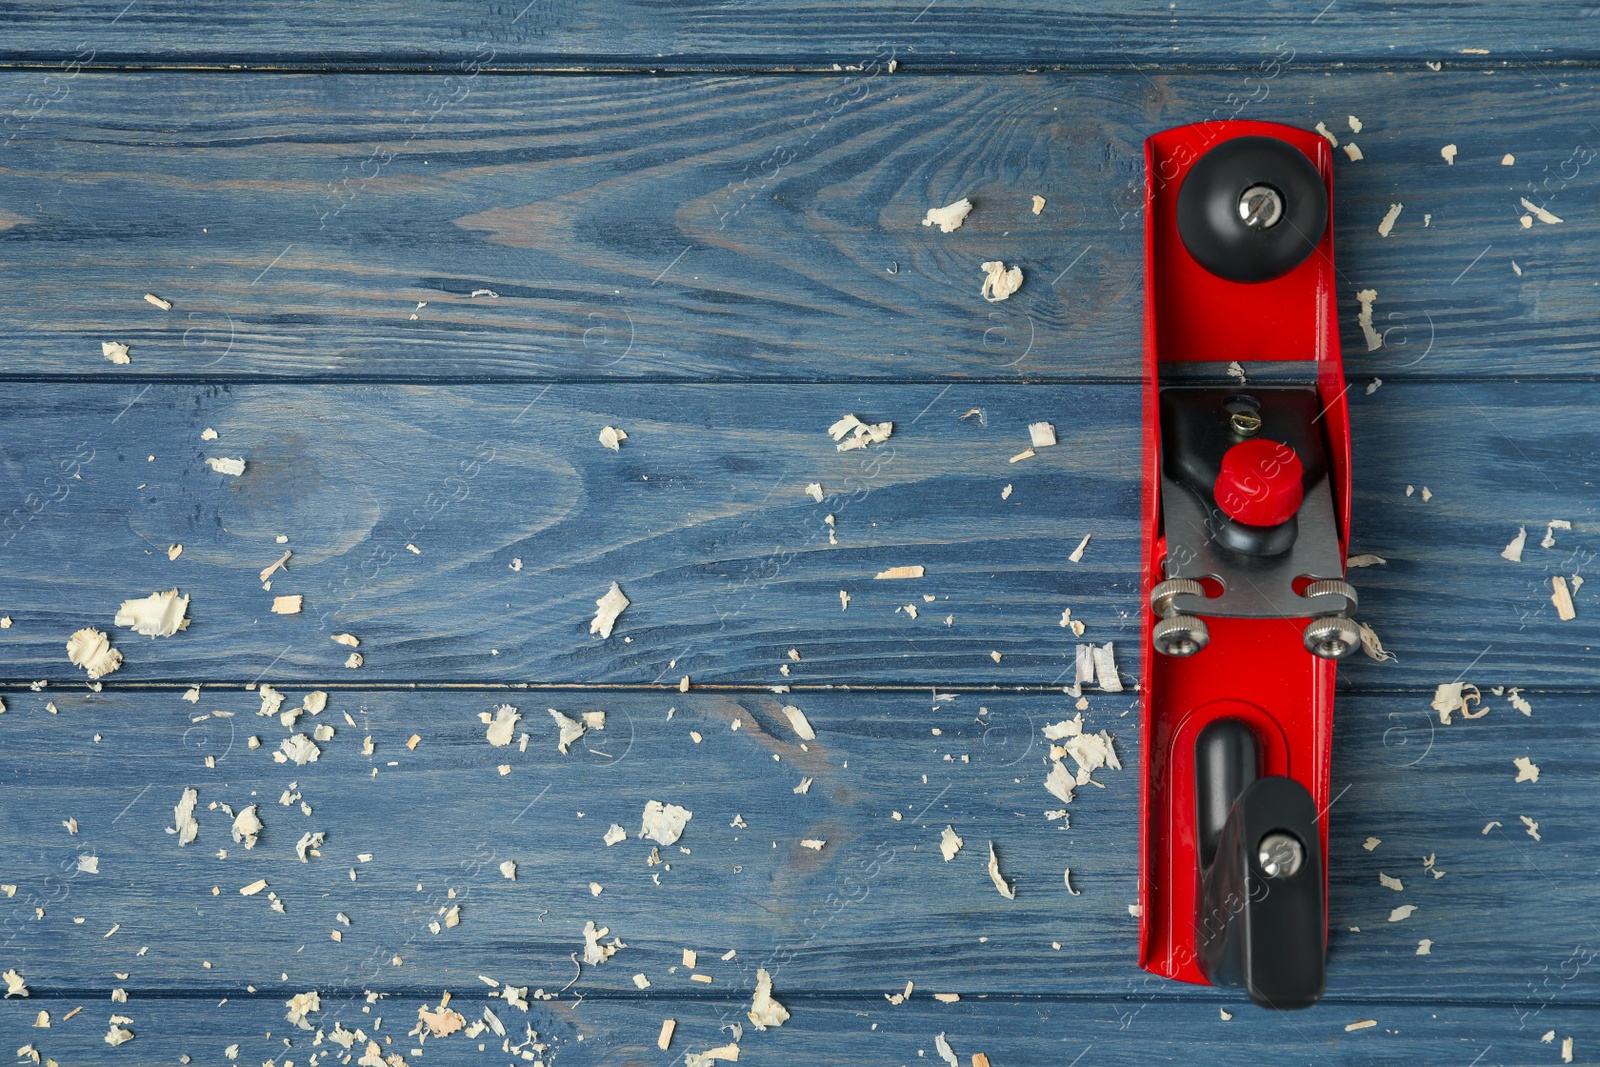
(1261, 483)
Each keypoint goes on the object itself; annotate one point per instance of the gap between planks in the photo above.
(158, 686)
(756, 66)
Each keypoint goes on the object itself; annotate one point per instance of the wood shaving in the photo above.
(667, 1026)
(1542, 214)
(1425, 947)
(1566, 1050)
(300, 750)
(1076, 555)
(610, 606)
(593, 951)
(1041, 434)
(1390, 883)
(664, 823)
(1372, 646)
(1364, 1024)
(1519, 702)
(814, 491)
(729, 1053)
(900, 572)
(1387, 225)
(1105, 669)
(164, 305)
(612, 438)
(851, 433)
(946, 1053)
(268, 571)
(1353, 151)
(1451, 697)
(174, 551)
(90, 649)
(1366, 298)
(349, 640)
(247, 826)
(1329, 134)
(253, 888)
(354, 660)
(1560, 596)
(764, 1011)
(1005, 494)
(118, 1035)
(1066, 879)
(208, 434)
(950, 843)
(287, 605)
(1007, 889)
(1026, 453)
(1402, 912)
(950, 217)
(157, 615)
(309, 845)
(271, 701)
(1059, 782)
(15, 985)
(1527, 770)
(1549, 539)
(224, 465)
(615, 834)
(799, 723)
(183, 820)
(441, 1023)
(1449, 154)
(301, 1005)
(999, 283)
(813, 843)
(502, 724)
(508, 870)
(1038, 204)
(1355, 124)
(1533, 827)
(1513, 551)
(116, 352)
(571, 729)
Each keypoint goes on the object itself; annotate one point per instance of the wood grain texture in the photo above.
(723, 228)
(848, 1030)
(875, 907)
(703, 519)
(634, 34)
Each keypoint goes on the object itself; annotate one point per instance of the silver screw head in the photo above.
(1280, 854)
(1260, 207)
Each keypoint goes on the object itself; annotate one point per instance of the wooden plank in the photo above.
(633, 34)
(719, 228)
(875, 907)
(836, 1030)
(703, 519)
(844, 1031)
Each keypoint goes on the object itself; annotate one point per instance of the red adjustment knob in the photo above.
(1260, 483)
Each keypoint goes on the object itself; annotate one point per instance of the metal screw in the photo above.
(1177, 634)
(1280, 854)
(1245, 423)
(1331, 637)
(1260, 207)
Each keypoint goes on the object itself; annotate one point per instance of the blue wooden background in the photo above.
(419, 254)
